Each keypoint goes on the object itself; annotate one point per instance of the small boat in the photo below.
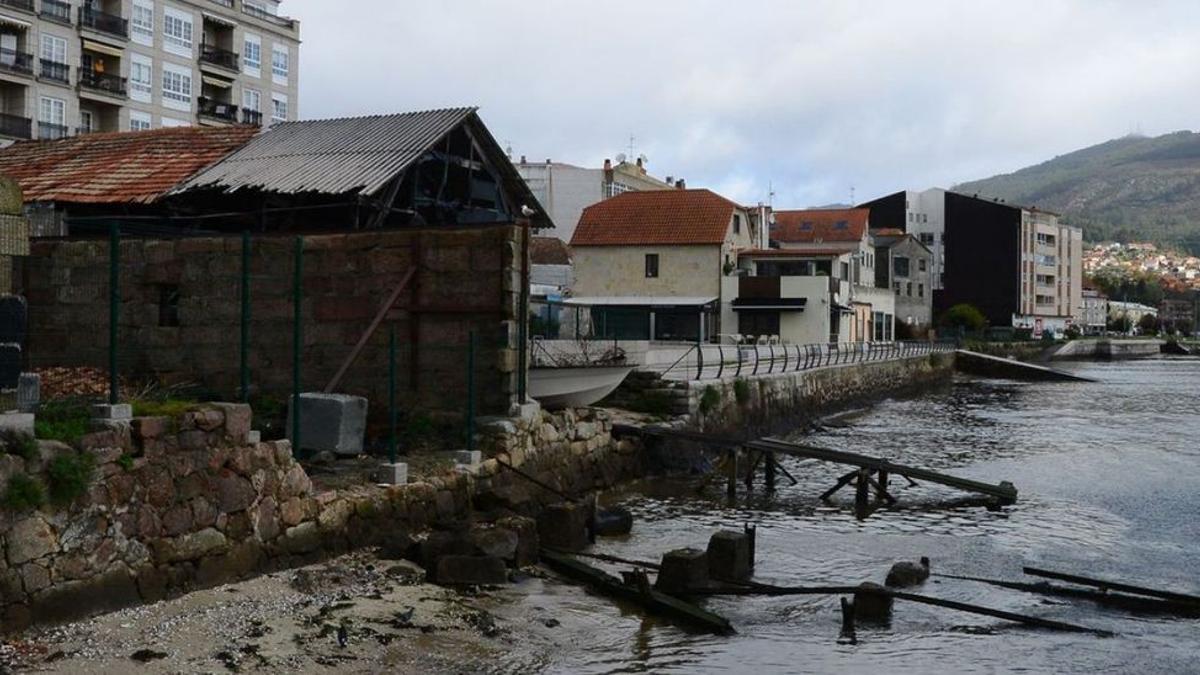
(574, 387)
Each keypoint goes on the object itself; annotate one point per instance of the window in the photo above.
(168, 122)
(168, 306)
(52, 111)
(737, 224)
(840, 225)
(911, 217)
(920, 290)
(614, 188)
(252, 55)
(177, 32)
(54, 49)
(845, 272)
(279, 63)
(926, 238)
(279, 108)
(921, 267)
(908, 289)
(87, 121)
(177, 87)
(1045, 239)
(138, 120)
(900, 266)
(758, 322)
(141, 23)
(252, 100)
(651, 265)
(141, 78)
(896, 287)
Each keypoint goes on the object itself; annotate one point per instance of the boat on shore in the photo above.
(573, 387)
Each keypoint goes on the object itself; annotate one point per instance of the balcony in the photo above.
(52, 132)
(110, 24)
(54, 71)
(57, 11)
(15, 126)
(103, 83)
(16, 63)
(24, 5)
(252, 117)
(219, 57)
(262, 15)
(217, 110)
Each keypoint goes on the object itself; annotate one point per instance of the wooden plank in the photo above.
(1114, 586)
(1132, 603)
(653, 601)
(366, 336)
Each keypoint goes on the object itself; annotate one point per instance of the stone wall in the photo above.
(180, 311)
(185, 503)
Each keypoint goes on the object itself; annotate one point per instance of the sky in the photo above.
(812, 100)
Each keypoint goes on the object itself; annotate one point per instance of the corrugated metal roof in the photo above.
(335, 156)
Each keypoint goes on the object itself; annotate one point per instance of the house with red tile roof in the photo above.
(650, 264)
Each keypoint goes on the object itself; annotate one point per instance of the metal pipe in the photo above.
(114, 308)
(392, 393)
(297, 340)
(244, 365)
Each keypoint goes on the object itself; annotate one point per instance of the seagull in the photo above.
(528, 212)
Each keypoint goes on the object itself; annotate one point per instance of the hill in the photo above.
(1128, 189)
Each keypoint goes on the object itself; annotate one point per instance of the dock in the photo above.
(985, 365)
(871, 474)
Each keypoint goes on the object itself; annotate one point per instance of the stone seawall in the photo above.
(186, 503)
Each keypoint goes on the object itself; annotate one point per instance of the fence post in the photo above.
(114, 308)
(245, 342)
(392, 393)
(297, 341)
(471, 391)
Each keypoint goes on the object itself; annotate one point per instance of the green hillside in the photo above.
(1128, 189)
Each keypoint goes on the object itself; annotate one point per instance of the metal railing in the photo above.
(15, 126)
(103, 82)
(52, 132)
(221, 110)
(55, 10)
(103, 22)
(219, 57)
(252, 117)
(16, 62)
(26, 5)
(714, 361)
(264, 15)
(55, 71)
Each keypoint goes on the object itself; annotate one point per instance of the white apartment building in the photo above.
(69, 66)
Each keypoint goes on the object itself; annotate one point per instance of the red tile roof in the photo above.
(820, 225)
(799, 252)
(670, 217)
(548, 251)
(117, 167)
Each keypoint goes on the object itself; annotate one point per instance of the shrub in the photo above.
(1073, 333)
(709, 400)
(964, 316)
(125, 461)
(21, 445)
(23, 494)
(70, 475)
(1148, 324)
(65, 420)
(741, 391)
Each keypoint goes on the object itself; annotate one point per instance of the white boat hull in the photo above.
(557, 388)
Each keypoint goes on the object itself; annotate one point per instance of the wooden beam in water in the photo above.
(1130, 603)
(1114, 586)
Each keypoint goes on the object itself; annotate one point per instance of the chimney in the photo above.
(669, 179)
(680, 184)
(548, 160)
(607, 164)
(639, 162)
(523, 159)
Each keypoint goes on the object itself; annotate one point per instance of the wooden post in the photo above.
(848, 632)
(731, 489)
(770, 471)
(862, 495)
(752, 535)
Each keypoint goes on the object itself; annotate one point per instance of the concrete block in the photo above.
(331, 422)
(254, 437)
(392, 474)
(682, 570)
(469, 457)
(29, 392)
(472, 570)
(729, 556)
(564, 526)
(19, 423)
(112, 412)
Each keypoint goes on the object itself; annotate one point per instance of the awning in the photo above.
(220, 19)
(780, 304)
(657, 301)
(842, 308)
(216, 81)
(9, 21)
(94, 46)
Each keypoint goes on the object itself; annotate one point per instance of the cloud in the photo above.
(811, 97)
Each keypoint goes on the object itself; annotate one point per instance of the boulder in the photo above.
(614, 522)
(564, 526)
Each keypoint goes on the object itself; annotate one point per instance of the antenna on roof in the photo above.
(632, 144)
(770, 193)
(508, 149)
(851, 195)
(620, 158)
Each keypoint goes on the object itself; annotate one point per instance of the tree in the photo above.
(964, 316)
(1148, 324)
(1120, 324)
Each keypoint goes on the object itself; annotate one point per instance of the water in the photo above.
(1109, 478)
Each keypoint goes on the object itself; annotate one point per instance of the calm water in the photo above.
(1109, 480)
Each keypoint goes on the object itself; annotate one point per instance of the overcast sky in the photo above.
(811, 96)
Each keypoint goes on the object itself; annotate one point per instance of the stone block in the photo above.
(497, 542)
(873, 603)
(471, 570)
(30, 539)
(331, 422)
(729, 556)
(19, 423)
(440, 544)
(564, 526)
(112, 412)
(682, 570)
(616, 521)
(29, 392)
(254, 437)
(392, 474)
(527, 539)
(470, 458)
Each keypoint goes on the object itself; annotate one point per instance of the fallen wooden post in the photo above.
(1115, 586)
(640, 593)
(1130, 603)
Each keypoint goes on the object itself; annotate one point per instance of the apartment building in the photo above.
(921, 213)
(69, 67)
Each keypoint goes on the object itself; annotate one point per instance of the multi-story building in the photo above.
(565, 190)
(69, 67)
(905, 265)
(1094, 316)
(919, 213)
